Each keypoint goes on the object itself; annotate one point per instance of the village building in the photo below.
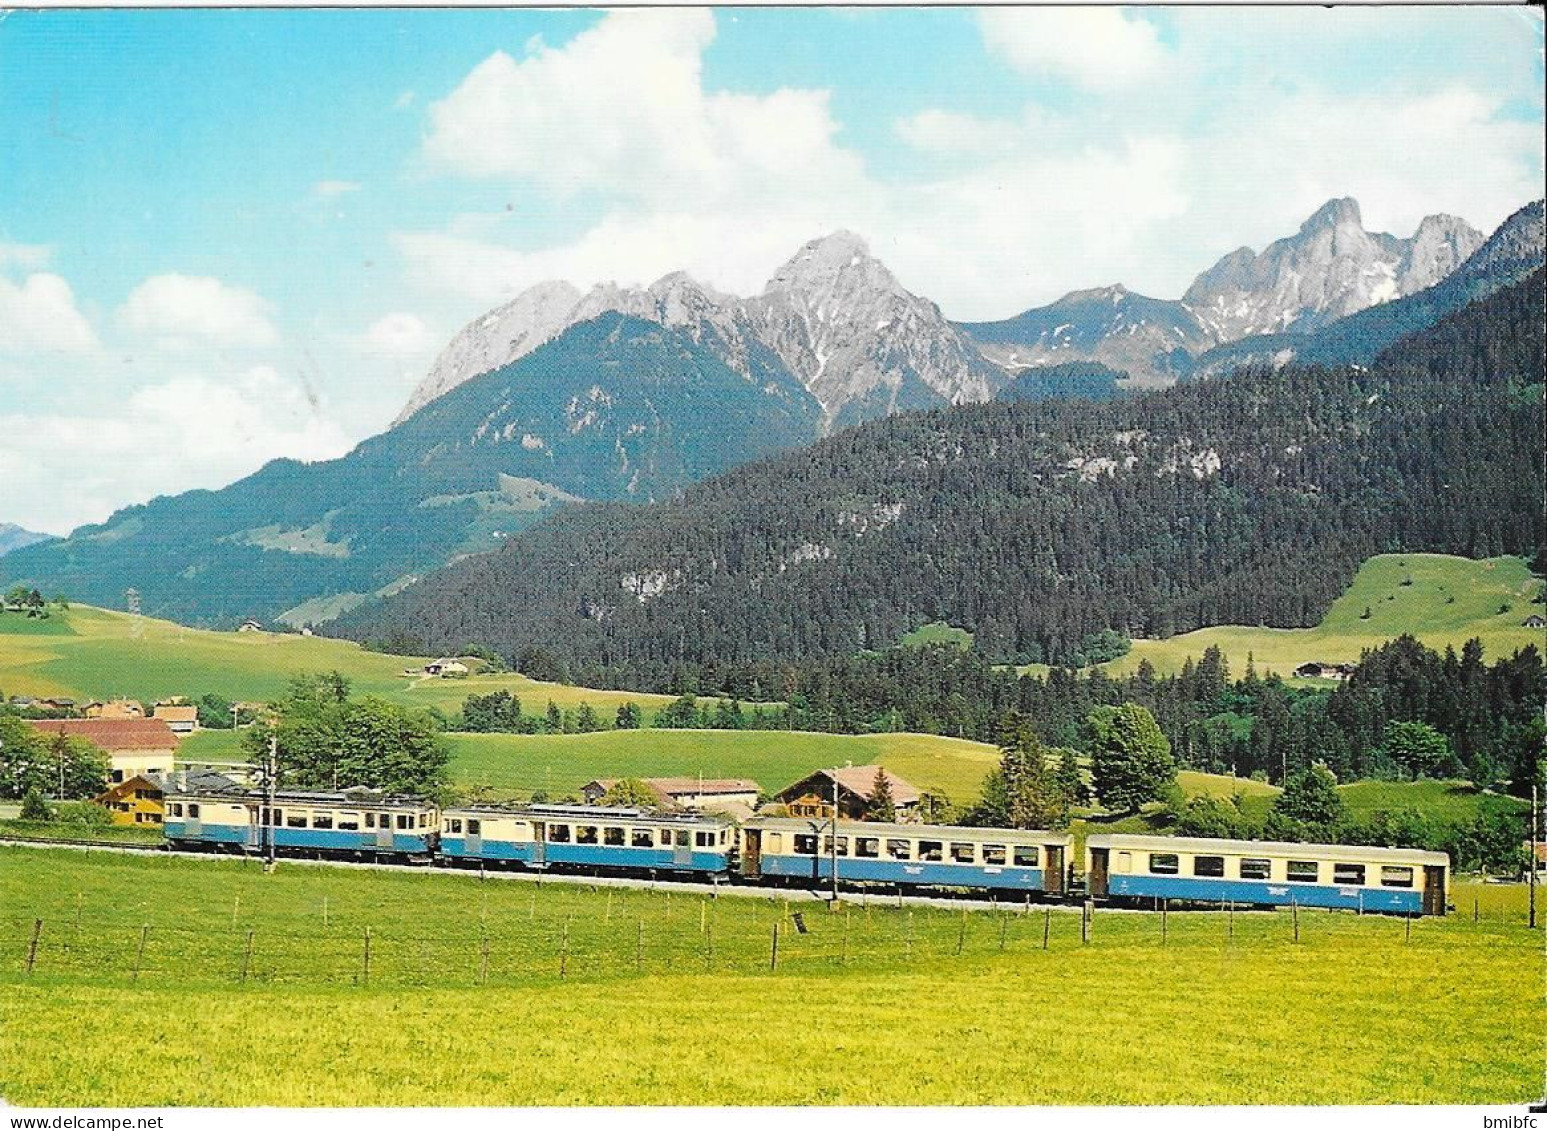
(736, 796)
(114, 709)
(1535, 620)
(812, 796)
(250, 625)
(182, 718)
(141, 799)
(133, 746)
(1316, 669)
(446, 667)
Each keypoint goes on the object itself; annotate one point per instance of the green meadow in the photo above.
(247, 989)
(1444, 601)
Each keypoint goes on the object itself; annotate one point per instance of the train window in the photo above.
(193, 810)
(867, 846)
(805, 844)
(1208, 865)
(1164, 863)
(1395, 876)
(423, 819)
(175, 809)
(993, 854)
(665, 838)
(827, 846)
(931, 849)
(1348, 873)
(558, 834)
(612, 834)
(1303, 872)
(963, 853)
(474, 828)
(350, 823)
(723, 835)
(295, 821)
(1256, 869)
(322, 820)
(370, 820)
(456, 824)
(703, 840)
(585, 834)
(776, 843)
(900, 849)
(1025, 856)
(682, 838)
(404, 821)
(642, 838)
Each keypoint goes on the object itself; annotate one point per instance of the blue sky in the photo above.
(231, 235)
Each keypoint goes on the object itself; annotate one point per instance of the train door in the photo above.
(683, 856)
(539, 843)
(752, 852)
(1433, 889)
(1098, 871)
(255, 823)
(384, 830)
(1053, 870)
(472, 843)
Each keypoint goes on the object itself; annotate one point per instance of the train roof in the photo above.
(599, 813)
(1349, 852)
(353, 799)
(885, 828)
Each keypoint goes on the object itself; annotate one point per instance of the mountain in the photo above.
(13, 537)
(1514, 250)
(1032, 525)
(1329, 269)
(1089, 380)
(614, 408)
(832, 321)
(1152, 339)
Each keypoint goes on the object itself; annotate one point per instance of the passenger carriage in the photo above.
(802, 850)
(1409, 881)
(589, 837)
(356, 823)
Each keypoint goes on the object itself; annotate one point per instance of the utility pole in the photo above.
(271, 772)
(835, 843)
(1535, 839)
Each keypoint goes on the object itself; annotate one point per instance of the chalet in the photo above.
(133, 746)
(1315, 669)
(812, 796)
(250, 625)
(446, 668)
(1535, 620)
(737, 796)
(114, 709)
(55, 705)
(140, 800)
(182, 718)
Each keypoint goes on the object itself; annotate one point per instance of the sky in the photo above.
(228, 236)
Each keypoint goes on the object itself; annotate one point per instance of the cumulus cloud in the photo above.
(398, 335)
(187, 432)
(1097, 48)
(182, 309)
(39, 315)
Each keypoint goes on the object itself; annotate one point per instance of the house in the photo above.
(1316, 669)
(812, 796)
(250, 625)
(446, 668)
(182, 718)
(719, 795)
(140, 800)
(133, 746)
(114, 709)
(55, 705)
(1535, 620)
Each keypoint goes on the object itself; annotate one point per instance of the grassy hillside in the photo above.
(1449, 601)
(1449, 1015)
(94, 653)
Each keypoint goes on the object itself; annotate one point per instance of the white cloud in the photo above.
(188, 432)
(948, 132)
(1096, 48)
(39, 315)
(27, 256)
(398, 335)
(329, 189)
(181, 309)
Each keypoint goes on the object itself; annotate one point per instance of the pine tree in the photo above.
(880, 806)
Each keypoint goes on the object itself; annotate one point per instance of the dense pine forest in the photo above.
(1244, 500)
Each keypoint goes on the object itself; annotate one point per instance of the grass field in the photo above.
(506, 993)
(1449, 601)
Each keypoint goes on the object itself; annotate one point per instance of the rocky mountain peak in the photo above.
(1336, 213)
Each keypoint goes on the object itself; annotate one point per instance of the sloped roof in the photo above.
(113, 734)
(858, 780)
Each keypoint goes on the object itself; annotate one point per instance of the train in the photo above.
(814, 853)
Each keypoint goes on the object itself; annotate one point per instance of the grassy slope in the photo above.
(1454, 1015)
(774, 759)
(1479, 589)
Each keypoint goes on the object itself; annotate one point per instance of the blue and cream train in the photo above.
(365, 825)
